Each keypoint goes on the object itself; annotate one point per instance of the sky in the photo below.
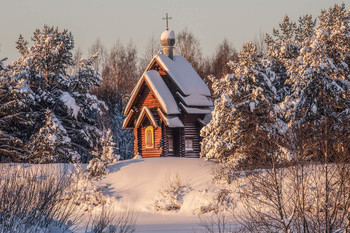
(211, 21)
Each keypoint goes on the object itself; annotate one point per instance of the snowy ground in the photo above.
(136, 183)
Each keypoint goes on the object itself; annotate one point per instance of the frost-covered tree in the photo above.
(38, 81)
(283, 47)
(119, 75)
(108, 154)
(243, 121)
(320, 81)
(16, 119)
(51, 143)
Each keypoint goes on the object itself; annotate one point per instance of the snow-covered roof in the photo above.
(191, 110)
(162, 92)
(195, 100)
(127, 119)
(171, 121)
(183, 74)
(160, 89)
(192, 91)
(148, 112)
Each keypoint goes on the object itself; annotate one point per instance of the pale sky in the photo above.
(210, 20)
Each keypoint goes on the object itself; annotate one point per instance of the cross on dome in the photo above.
(167, 18)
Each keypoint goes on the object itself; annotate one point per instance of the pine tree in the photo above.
(51, 143)
(243, 118)
(39, 81)
(320, 79)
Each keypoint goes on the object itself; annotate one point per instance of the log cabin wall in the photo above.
(156, 151)
(191, 131)
(148, 99)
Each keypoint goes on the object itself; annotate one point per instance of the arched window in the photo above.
(149, 135)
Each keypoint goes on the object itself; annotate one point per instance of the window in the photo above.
(189, 144)
(171, 143)
(149, 137)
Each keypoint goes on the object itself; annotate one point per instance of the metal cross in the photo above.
(167, 18)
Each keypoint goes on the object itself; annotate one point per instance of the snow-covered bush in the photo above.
(96, 167)
(109, 221)
(85, 191)
(171, 194)
(33, 199)
(222, 200)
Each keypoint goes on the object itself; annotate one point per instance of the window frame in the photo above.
(191, 140)
(170, 149)
(149, 128)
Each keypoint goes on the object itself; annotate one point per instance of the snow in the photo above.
(69, 101)
(171, 121)
(168, 34)
(162, 92)
(139, 181)
(191, 110)
(252, 106)
(185, 77)
(314, 108)
(127, 119)
(195, 100)
(144, 111)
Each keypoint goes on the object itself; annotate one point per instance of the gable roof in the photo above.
(195, 100)
(191, 91)
(183, 74)
(148, 113)
(127, 120)
(159, 88)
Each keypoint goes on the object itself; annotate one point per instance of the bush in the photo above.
(34, 200)
(171, 194)
(96, 168)
(109, 221)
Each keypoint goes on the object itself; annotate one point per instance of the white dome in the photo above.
(167, 34)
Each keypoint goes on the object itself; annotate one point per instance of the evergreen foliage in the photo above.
(46, 114)
(298, 89)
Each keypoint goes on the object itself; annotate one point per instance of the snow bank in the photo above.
(139, 181)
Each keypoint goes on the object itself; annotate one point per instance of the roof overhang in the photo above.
(162, 93)
(146, 112)
(170, 121)
(191, 110)
(126, 122)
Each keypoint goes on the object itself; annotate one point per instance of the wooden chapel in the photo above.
(168, 106)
